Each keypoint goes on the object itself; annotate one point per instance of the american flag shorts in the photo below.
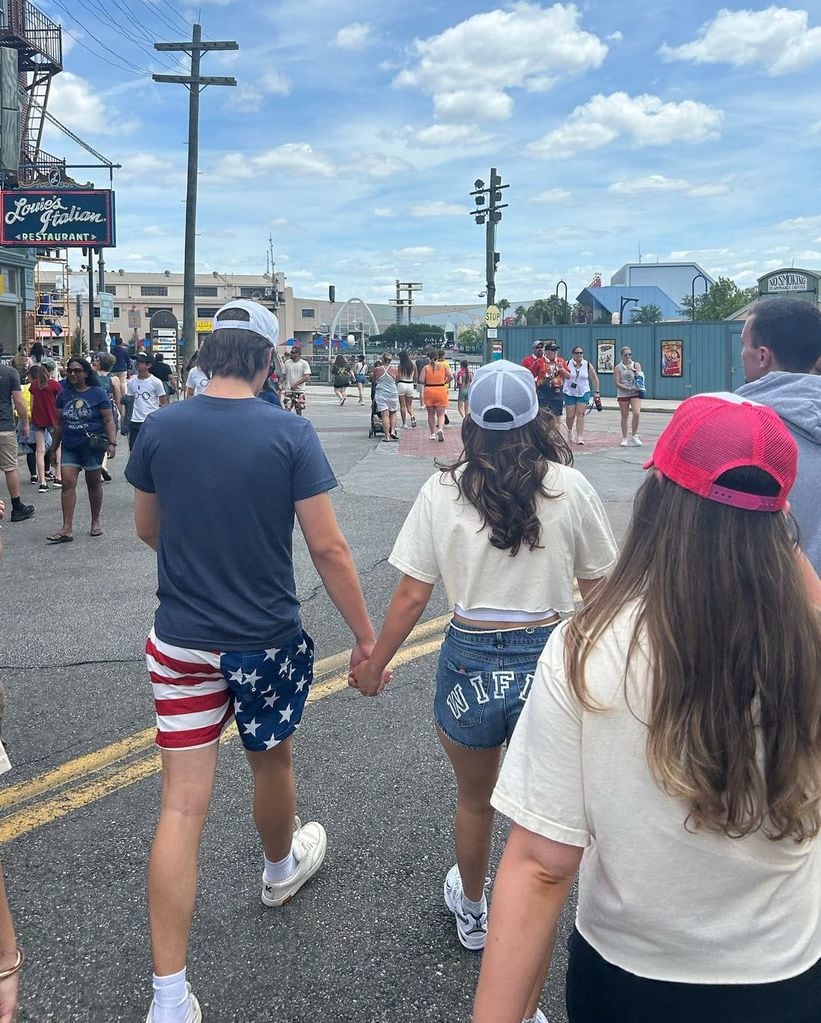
(197, 692)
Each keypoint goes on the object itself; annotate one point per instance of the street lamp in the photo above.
(693, 293)
(225, 280)
(624, 302)
(558, 285)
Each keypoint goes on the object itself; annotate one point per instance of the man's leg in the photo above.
(274, 798)
(188, 778)
(133, 431)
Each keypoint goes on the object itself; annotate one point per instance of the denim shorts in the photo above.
(82, 457)
(576, 399)
(482, 682)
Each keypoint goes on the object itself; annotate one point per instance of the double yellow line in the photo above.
(46, 798)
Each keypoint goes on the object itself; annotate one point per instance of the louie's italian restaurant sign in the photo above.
(68, 219)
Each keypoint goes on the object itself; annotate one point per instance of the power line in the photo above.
(165, 19)
(123, 62)
(104, 17)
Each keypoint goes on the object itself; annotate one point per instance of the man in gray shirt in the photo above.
(781, 342)
(11, 398)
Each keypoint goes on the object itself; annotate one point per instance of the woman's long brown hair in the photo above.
(502, 474)
(734, 651)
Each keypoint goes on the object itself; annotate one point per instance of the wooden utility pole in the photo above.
(195, 83)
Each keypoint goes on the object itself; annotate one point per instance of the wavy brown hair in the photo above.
(734, 647)
(502, 474)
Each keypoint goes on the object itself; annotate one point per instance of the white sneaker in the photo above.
(637, 441)
(624, 442)
(471, 930)
(433, 436)
(310, 843)
(194, 1012)
(440, 435)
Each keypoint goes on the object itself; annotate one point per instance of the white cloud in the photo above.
(383, 211)
(147, 168)
(646, 120)
(659, 183)
(295, 156)
(435, 135)
(470, 105)
(73, 101)
(777, 39)
(435, 208)
(379, 165)
(416, 250)
(250, 96)
(552, 197)
(532, 47)
(356, 36)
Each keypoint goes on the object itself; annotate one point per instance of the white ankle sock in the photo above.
(170, 998)
(280, 870)
(475, 908)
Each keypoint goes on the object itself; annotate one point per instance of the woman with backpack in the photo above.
(341, 378)
(671, 745)
(507, 528)
(576, 392)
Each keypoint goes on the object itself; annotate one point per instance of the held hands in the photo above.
(367, 679)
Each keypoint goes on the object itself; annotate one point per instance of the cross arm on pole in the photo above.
(213, 45)
(202, 80)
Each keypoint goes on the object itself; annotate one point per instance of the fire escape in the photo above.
(39, 45)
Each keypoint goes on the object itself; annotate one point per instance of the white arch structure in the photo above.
(355, 317)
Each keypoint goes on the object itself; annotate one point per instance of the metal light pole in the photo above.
(559, 284)
(624, 302)
(693, 294)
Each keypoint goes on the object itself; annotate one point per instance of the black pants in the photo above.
(598, 992)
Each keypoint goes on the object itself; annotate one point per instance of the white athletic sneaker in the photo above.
(471, 930)
(433, 436)
(194, 1012)
(440, 435)
(310, 843)
(637, 441)
(624, 442)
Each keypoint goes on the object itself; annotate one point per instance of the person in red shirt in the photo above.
(554, 375)
(44, 393)
(536, 362)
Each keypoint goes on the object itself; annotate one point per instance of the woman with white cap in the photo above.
(506, 528)
(671, 744)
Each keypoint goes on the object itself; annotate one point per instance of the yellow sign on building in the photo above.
(205, 326)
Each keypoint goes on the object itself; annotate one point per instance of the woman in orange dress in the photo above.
(436, 378)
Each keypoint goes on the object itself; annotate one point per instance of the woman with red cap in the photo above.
(671, 745)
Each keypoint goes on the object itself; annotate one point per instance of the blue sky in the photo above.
(683, 130)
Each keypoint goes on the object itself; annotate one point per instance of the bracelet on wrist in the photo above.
(4, 974)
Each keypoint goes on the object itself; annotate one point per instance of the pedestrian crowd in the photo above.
(659, 702)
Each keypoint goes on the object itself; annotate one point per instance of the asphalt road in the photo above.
(369, 938)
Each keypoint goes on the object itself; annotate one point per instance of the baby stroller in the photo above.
(376, 428)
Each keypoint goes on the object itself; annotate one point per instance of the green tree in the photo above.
(78, 340)
(520, 312)
(503, 305)
(470, 341)
(722, 300)
(549, 310)
(647, 314)
(408, 335)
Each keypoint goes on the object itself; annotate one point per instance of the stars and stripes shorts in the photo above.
(197, 692)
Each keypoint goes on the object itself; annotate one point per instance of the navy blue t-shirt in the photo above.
(81, 414)
(227, 472)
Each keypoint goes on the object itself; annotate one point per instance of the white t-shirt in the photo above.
(197, 380)
(654, 898)
(442, 539)
(295, 371)
(147, 394)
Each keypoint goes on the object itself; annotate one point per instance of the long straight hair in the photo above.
(734, 648)
(502, 474)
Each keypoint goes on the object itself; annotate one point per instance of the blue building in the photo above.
(608, 301)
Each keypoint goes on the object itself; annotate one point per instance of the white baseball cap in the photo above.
(503, 396)
(260, 320)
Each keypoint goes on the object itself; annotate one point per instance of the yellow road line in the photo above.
(140, 741)
(90, 790)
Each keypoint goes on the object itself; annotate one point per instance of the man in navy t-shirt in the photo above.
(218, 481)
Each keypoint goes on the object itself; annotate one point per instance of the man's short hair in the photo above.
(231, 352)
(791, 329)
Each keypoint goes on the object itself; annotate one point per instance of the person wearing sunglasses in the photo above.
(629, 397)
(85, 429)
(576, 393)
